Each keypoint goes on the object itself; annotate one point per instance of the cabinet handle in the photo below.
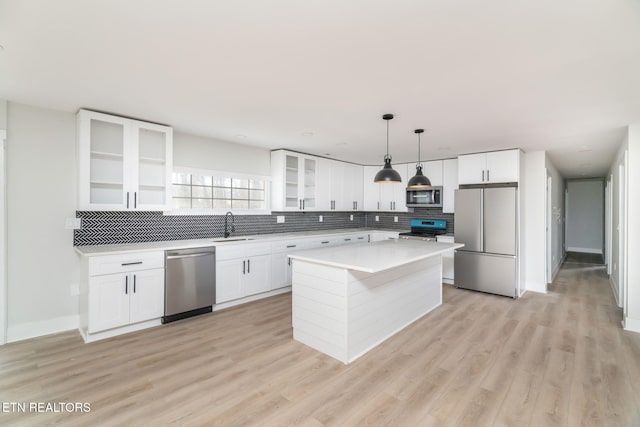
(390, 206)
(300, 204)
(324, 243)
(248, 266)
(291, 246)
(127, 200)
(243, 266)
(378, 205)
(134, 283)
(289, 260)
(126, 285)
(360, 238)
(135, 199)
(483, 175)
(347, 240)
(356, 205)
(131, 263)
(487, 175)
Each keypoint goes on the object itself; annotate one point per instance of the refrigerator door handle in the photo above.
(482, 221)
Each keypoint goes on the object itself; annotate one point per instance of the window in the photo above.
(222, 191)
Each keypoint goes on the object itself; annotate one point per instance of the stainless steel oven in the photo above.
(424, 197)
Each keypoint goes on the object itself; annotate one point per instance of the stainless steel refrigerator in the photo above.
(486, 222)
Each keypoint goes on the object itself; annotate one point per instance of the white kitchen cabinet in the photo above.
(447, 260)
(123, 290)
(341, 186)
(488, 168)
(393, 197)
(449, 184)
(242, 270)
(281, 263)
(123, 164)
(432, 169)
(385, 197)
(295, 177)
(371, 190)
(353, 190)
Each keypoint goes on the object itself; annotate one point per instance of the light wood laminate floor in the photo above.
(479, 360)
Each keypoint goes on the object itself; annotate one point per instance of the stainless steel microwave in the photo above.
(424, 197)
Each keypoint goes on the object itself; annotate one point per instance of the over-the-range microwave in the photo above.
(430, 197)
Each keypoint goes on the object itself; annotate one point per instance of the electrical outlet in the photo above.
(320, 218)
(395, 219)
(377, 218)
(280, 219)
(350, 217)
(73, 223)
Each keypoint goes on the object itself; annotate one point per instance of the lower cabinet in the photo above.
(121, 299)
(241, 277)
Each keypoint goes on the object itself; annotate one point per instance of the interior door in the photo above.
(468, 229)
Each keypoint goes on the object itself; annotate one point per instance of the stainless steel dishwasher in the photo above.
(189, 282)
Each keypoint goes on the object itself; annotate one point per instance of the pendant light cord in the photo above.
(387, 138)
(419, 149)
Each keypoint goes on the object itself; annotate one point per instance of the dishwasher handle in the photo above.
(189, 255)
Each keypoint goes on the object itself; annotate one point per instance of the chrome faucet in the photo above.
(227, 233)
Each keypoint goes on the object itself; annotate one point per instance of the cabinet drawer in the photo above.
(241, 250)
(289, 245)
(123, 263)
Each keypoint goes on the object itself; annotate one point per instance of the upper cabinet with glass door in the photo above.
(124, 164)
(294, 181)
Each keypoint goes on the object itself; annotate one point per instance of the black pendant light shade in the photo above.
(387, 174)
(419, 180)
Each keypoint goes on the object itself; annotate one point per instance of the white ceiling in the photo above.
(562, 76)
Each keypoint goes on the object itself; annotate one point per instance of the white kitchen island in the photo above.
(347, 300)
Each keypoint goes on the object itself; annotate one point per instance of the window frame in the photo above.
(222, 211)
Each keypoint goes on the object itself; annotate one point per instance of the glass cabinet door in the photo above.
(292, 185)
(310, 175)
(152, 153)
(106, 163)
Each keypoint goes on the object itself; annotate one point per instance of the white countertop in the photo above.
(377, 256)
(196, 243)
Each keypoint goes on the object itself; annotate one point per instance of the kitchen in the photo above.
(42, 193)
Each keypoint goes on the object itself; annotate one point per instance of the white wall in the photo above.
(632, 300)
(557, 217)
(212, 154)
(585, 216)
(3, 114)
(41, 193)
(533, 224)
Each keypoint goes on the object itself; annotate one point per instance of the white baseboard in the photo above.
(585, 250)
(447, 281)
(556, 270)
(28, 330)
(631, 324)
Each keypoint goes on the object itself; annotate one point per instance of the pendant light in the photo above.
(419, 180)
(387, 174)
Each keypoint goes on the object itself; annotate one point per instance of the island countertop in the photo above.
(377, 256)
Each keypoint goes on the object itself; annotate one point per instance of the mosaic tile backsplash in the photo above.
(107, 228)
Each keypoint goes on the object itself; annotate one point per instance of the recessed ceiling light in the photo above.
(307, 133)
(241, 136)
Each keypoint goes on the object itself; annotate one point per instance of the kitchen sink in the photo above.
(238, 239)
